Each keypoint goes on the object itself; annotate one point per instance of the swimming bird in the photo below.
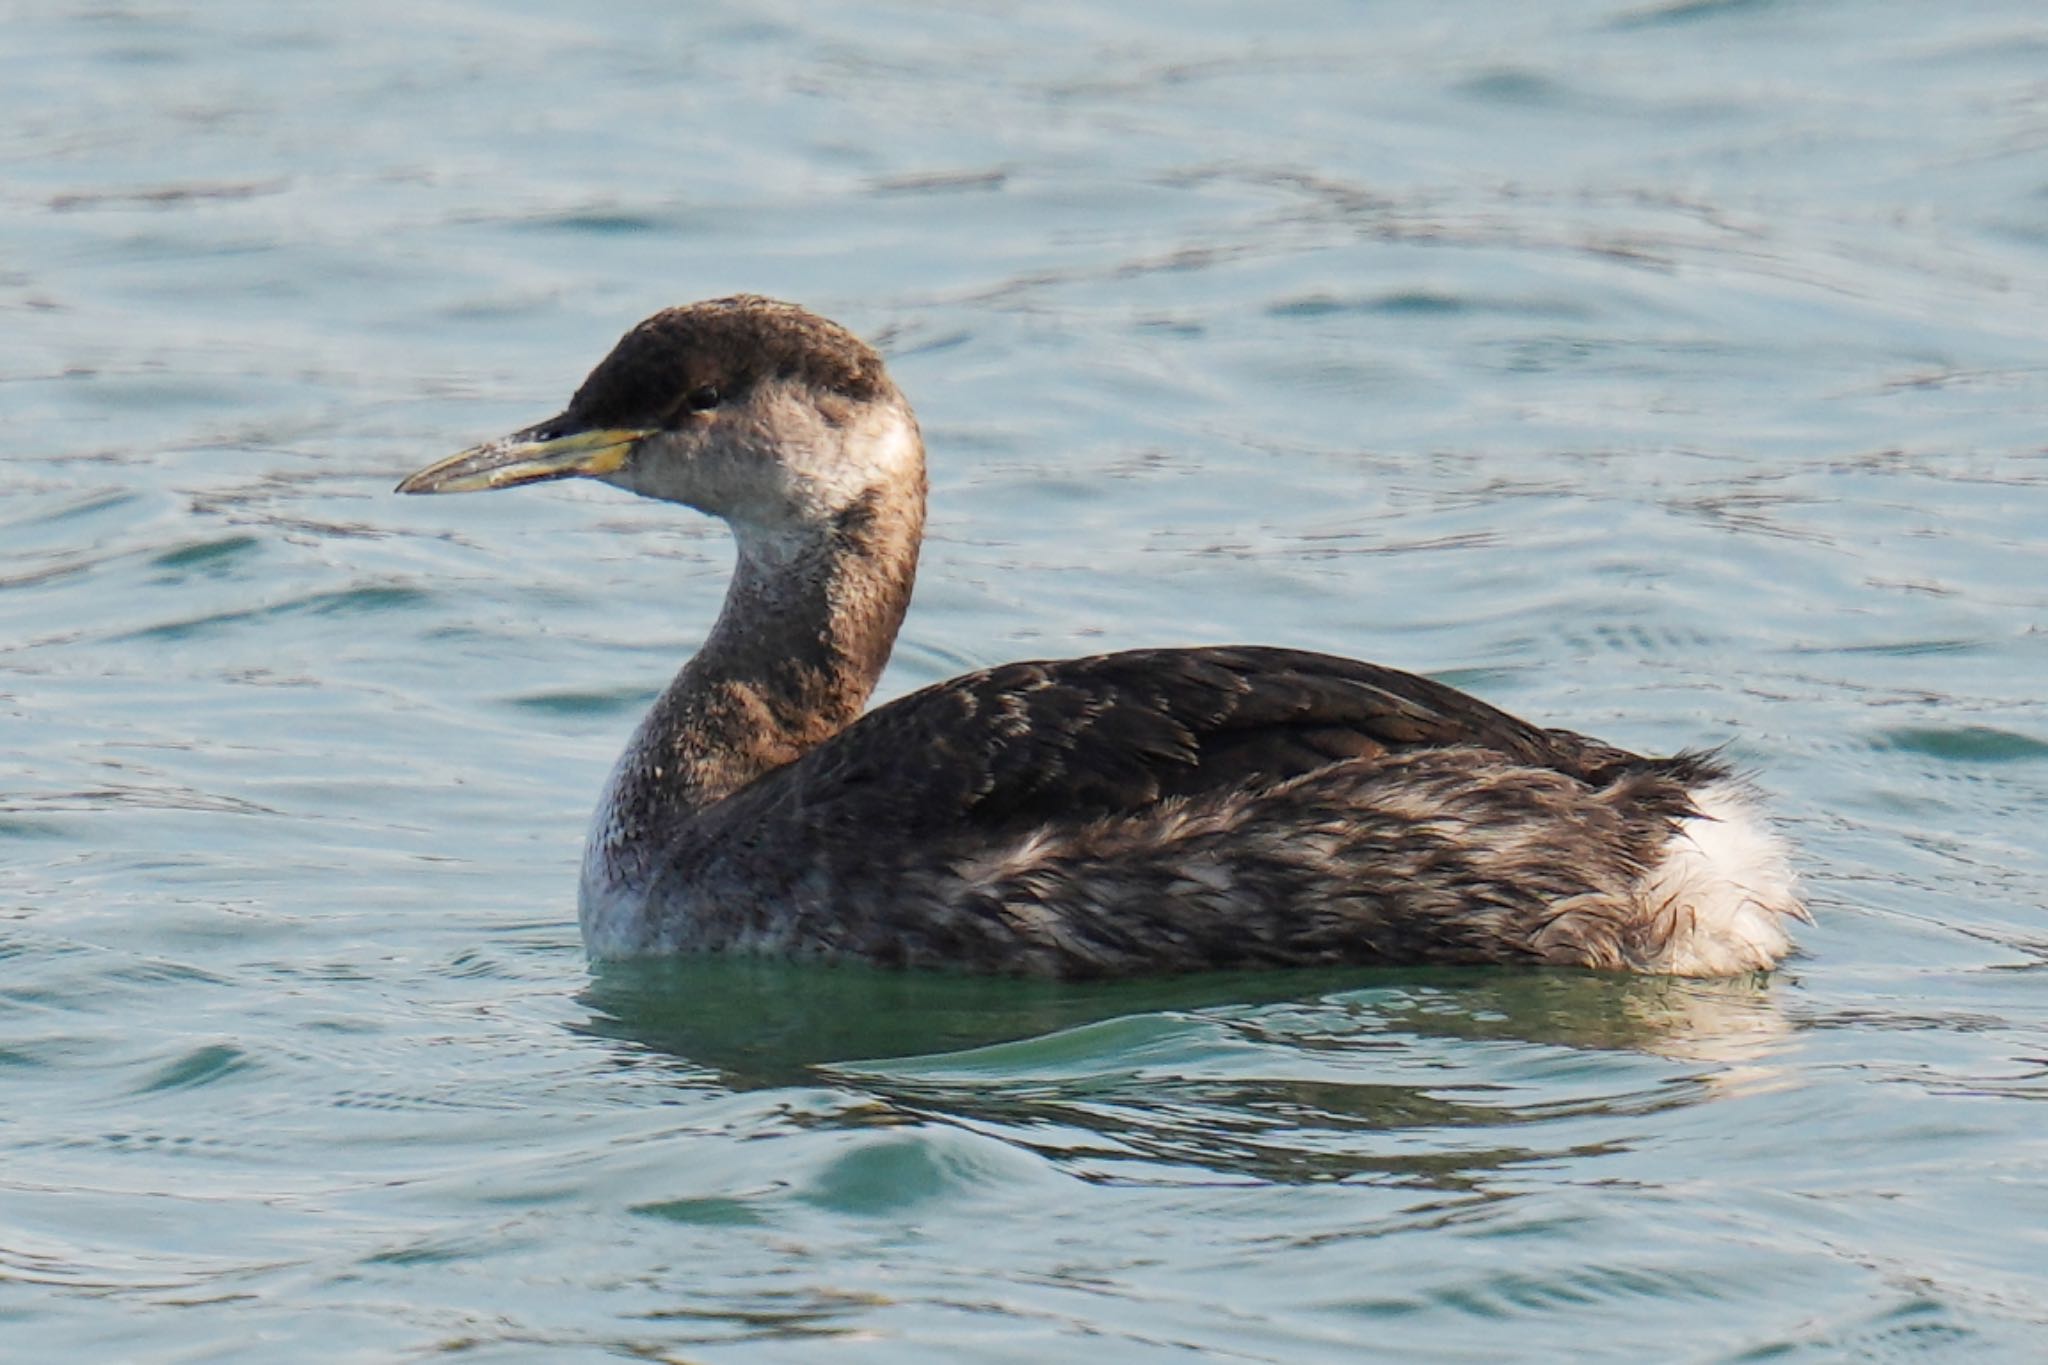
(1153, 810)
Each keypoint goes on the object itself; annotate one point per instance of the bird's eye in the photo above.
(702, 398)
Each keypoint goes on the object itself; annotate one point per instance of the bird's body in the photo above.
(1147, 811)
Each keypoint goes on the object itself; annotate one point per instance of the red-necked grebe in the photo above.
(1155, 810)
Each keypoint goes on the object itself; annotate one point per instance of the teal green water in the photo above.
(1673, 371)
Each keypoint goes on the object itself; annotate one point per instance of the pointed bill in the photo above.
(526, 457)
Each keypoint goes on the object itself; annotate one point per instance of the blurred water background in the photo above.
(1672, 371)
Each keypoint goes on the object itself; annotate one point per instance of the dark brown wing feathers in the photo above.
(1075, 739)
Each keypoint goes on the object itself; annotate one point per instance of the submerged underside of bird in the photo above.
(1148, 811)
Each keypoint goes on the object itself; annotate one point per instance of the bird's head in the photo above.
(748, 409)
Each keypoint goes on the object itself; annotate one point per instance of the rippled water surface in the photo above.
(1674, 371)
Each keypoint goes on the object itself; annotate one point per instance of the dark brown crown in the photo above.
(727, 345)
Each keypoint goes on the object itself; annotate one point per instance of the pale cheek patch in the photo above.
(880, 450)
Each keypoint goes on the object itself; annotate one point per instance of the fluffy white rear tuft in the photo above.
(1722, 891)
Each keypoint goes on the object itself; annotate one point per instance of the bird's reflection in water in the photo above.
(1288, 1076)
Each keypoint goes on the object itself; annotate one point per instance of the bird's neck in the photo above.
(807, 626)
